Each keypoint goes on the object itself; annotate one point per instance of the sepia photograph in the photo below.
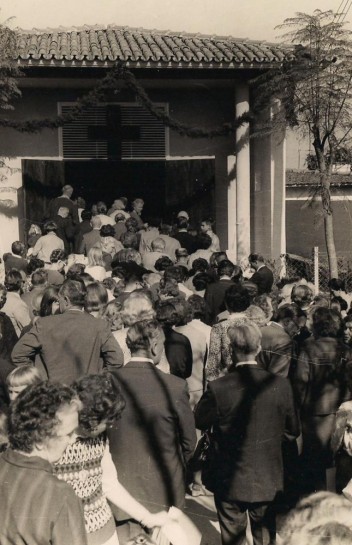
(175, 272)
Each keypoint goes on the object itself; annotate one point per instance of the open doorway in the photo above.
(167, 186)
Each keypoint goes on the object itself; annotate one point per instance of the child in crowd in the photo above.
(20, 378)
(16, 381)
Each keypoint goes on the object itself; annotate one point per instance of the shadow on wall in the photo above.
(8, 208)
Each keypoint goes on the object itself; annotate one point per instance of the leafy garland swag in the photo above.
(116, 74)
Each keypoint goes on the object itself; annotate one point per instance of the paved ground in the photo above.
(202, 512)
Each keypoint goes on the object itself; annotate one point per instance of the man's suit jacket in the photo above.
(186, 241)
(28, 297)
(178, 352)
(276, 353)
(251, 410)
(89, 239)
(264, 279)
(69, 346)
(82, 229)
(15, 262)
(65, 230)
(59, 202)
(215, 295)
(155, 436)
(8, 337)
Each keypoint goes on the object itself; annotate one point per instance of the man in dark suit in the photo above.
(65, 228)
(69, 345)
(185, 239)
(215, 292)
(82, 229)
(64, 200)
(263, 276)
(250, 410)
(156, 436)
(92, 237)
(277, 340)
(15, 260)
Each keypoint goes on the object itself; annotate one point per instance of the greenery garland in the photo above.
(181, 128)
(35, 125)
(95, 96)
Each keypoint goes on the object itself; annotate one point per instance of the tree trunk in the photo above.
(330, 244)
(328, 224)
(325, 180)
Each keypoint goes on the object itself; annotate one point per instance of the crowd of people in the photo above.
(127, 340)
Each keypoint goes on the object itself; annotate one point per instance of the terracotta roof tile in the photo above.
(98, 44)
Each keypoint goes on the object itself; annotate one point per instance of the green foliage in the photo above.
(9, 72)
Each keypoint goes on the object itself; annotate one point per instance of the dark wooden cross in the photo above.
(114, 132)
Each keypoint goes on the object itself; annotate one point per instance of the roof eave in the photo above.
(169, 65)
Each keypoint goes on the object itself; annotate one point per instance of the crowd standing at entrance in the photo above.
(131, 345)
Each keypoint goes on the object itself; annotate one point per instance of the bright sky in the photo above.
(254, 19)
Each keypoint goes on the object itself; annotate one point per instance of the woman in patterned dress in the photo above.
(87, 465)
(237, 300)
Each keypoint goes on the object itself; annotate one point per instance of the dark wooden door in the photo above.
(42, 181)
(190, 186)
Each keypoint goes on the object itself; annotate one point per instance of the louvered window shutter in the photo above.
(140, 134)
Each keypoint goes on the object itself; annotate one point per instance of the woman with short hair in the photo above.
(35, 506)
(34, 233)
(237, 301)
(47, 243)
(14, 307)
(50, 301)
(96, 299)
(108, 241)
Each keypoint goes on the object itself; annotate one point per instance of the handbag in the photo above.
(203, 459)
(202, 452)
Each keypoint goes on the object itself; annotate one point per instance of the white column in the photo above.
(11, 173)
(231, 208)
(242, 175)
(278, 189)
(283, 201)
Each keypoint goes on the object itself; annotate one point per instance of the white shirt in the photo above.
(46, 244)
(105, 220)
(97, 272)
